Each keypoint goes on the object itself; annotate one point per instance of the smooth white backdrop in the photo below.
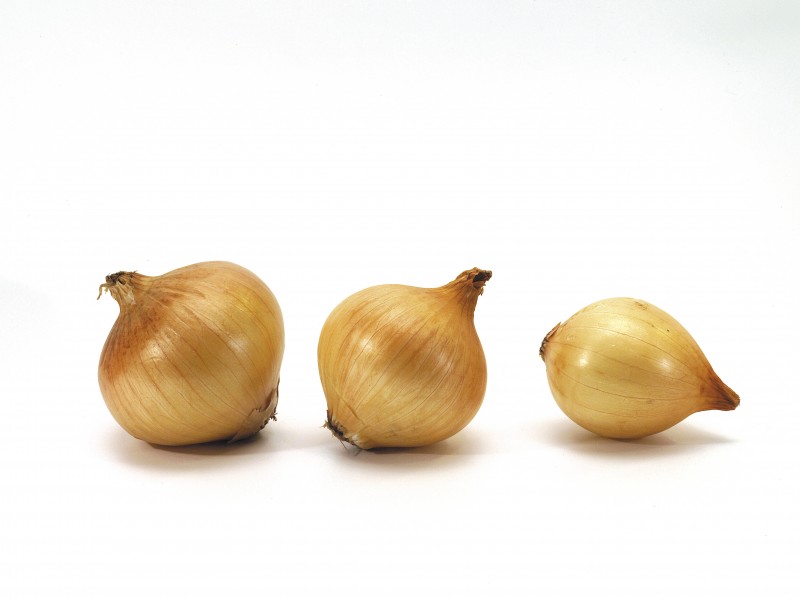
(580, 150)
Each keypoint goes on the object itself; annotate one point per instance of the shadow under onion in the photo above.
(679, 439)
(452, 452)
(274, 439)
(210, 455)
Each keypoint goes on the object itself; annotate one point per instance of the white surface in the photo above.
(580, 150)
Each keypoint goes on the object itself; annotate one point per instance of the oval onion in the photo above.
(402, 366)
(194, 355)
(623, 368)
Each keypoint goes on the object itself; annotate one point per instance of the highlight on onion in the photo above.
(623, 368)
(194, 355)
(402, 366)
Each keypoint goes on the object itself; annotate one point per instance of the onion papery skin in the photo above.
(623, 368)
(403, 366)
(194, 355)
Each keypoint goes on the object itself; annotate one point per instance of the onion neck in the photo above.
(468, 286)
(721, 397)
(124, 287)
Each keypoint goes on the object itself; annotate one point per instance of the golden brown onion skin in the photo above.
(623, 368)
(194, 355)
(402, 366)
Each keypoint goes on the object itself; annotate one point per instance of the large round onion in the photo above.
(194, 355)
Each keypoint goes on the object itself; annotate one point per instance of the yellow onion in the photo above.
(194, 355)
(623, 368)
(402, 366)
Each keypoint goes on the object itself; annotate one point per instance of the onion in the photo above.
(402, 366)
(623, 368)
(194, 355)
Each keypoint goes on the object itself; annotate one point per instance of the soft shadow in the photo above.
(212, 455)
(453, 452)
(680, 439)
(272, 440)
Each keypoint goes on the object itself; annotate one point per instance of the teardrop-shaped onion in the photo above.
(623, 368)
(402, 366)
(194, 355)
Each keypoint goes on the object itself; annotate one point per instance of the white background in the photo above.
(580, 150)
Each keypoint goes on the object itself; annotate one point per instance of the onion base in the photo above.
(258, 417)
